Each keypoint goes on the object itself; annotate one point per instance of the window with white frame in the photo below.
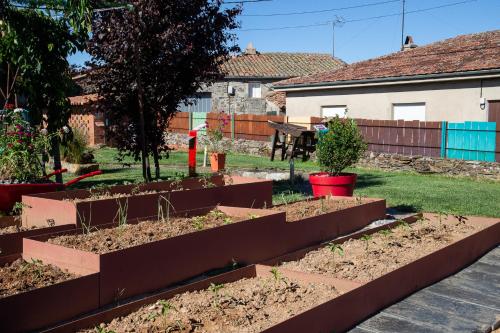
(334, 110)
(254, 90)
(408, 111)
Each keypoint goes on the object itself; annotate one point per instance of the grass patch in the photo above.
(431, 193)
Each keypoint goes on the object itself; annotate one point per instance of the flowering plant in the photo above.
(215, 135)
(23, 149)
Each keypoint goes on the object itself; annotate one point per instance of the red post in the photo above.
(192, 153)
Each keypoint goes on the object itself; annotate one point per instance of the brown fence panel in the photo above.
(179, 123)
(402, 137)
(254, 127)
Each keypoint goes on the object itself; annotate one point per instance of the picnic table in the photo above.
(302, 140)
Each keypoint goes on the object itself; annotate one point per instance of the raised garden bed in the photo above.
(371, 256)
(262, 298)
(249, 299)
(336, 310)
(21, 276)
(129, 235)
(12, 234)
(33, 295)
(178, 252)
(250, 241)
(101, 207)
(319, 219)
(300, 210)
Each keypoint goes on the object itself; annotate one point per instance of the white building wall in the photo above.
(452, 101)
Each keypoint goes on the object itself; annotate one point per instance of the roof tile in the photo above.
(280, 65)
(464, 53)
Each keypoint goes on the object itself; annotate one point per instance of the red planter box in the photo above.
(45, 306)
(358, 301)
(155, 265)
(54, 209)
(122, 272)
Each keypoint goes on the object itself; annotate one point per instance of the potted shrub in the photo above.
(216, 145)
(341, 146)
(76, 157)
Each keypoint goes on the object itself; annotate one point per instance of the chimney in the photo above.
(409, 44)
(250, 50)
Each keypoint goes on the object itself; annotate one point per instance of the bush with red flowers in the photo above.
(23, 149)
(215, 135)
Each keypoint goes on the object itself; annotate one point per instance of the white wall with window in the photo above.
(254, 90)
(408, 111)
(334, 110)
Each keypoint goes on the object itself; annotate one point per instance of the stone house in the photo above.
(247, 84)
(457, 79)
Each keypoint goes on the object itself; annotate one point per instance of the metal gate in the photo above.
(471, 140)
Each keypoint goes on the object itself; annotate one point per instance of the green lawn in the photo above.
(432, 193)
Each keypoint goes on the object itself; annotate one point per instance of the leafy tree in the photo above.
(37, 37)
(153, 55)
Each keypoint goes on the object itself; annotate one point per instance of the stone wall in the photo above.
(430, 165)
(241, 146)
(240, 102)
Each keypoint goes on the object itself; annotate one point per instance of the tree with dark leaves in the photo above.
(151, 56)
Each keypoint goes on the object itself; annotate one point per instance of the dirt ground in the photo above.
(21, 276)
(247, 305)
(14, 229)
(373, 256)
(302, 209)
(129, 235)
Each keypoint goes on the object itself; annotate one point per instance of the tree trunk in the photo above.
(56, 154)
(146, 171)
(156, 160)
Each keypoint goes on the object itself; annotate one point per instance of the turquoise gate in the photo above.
(471, 140)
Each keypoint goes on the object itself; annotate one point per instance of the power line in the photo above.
(321, 10)
(246, 1)
(361, 19)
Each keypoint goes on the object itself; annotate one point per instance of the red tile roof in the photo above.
(278, 98)
(464, 53)
(83, 100)
(279, 65)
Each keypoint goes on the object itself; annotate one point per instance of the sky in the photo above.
(360, 37)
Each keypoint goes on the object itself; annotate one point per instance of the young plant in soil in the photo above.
(199, 222)
(366, 239)
(122, 213)
(164, 206)
(335, 248)
(276, 274)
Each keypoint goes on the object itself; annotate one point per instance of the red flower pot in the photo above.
(217, 161)
(324, 184)
(12, 193)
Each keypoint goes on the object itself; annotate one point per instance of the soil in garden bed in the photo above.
(247, 305)
(308, 208)
(21, 276)
(103, 195)
(129, 235)
(373, 256)
(14, 228)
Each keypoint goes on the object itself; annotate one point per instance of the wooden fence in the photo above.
(246, 126)
(402, 137)
(434, 139)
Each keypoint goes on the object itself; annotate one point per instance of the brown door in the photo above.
(494, 111)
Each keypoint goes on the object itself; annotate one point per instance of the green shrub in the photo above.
(74, 148)
(342, 146)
